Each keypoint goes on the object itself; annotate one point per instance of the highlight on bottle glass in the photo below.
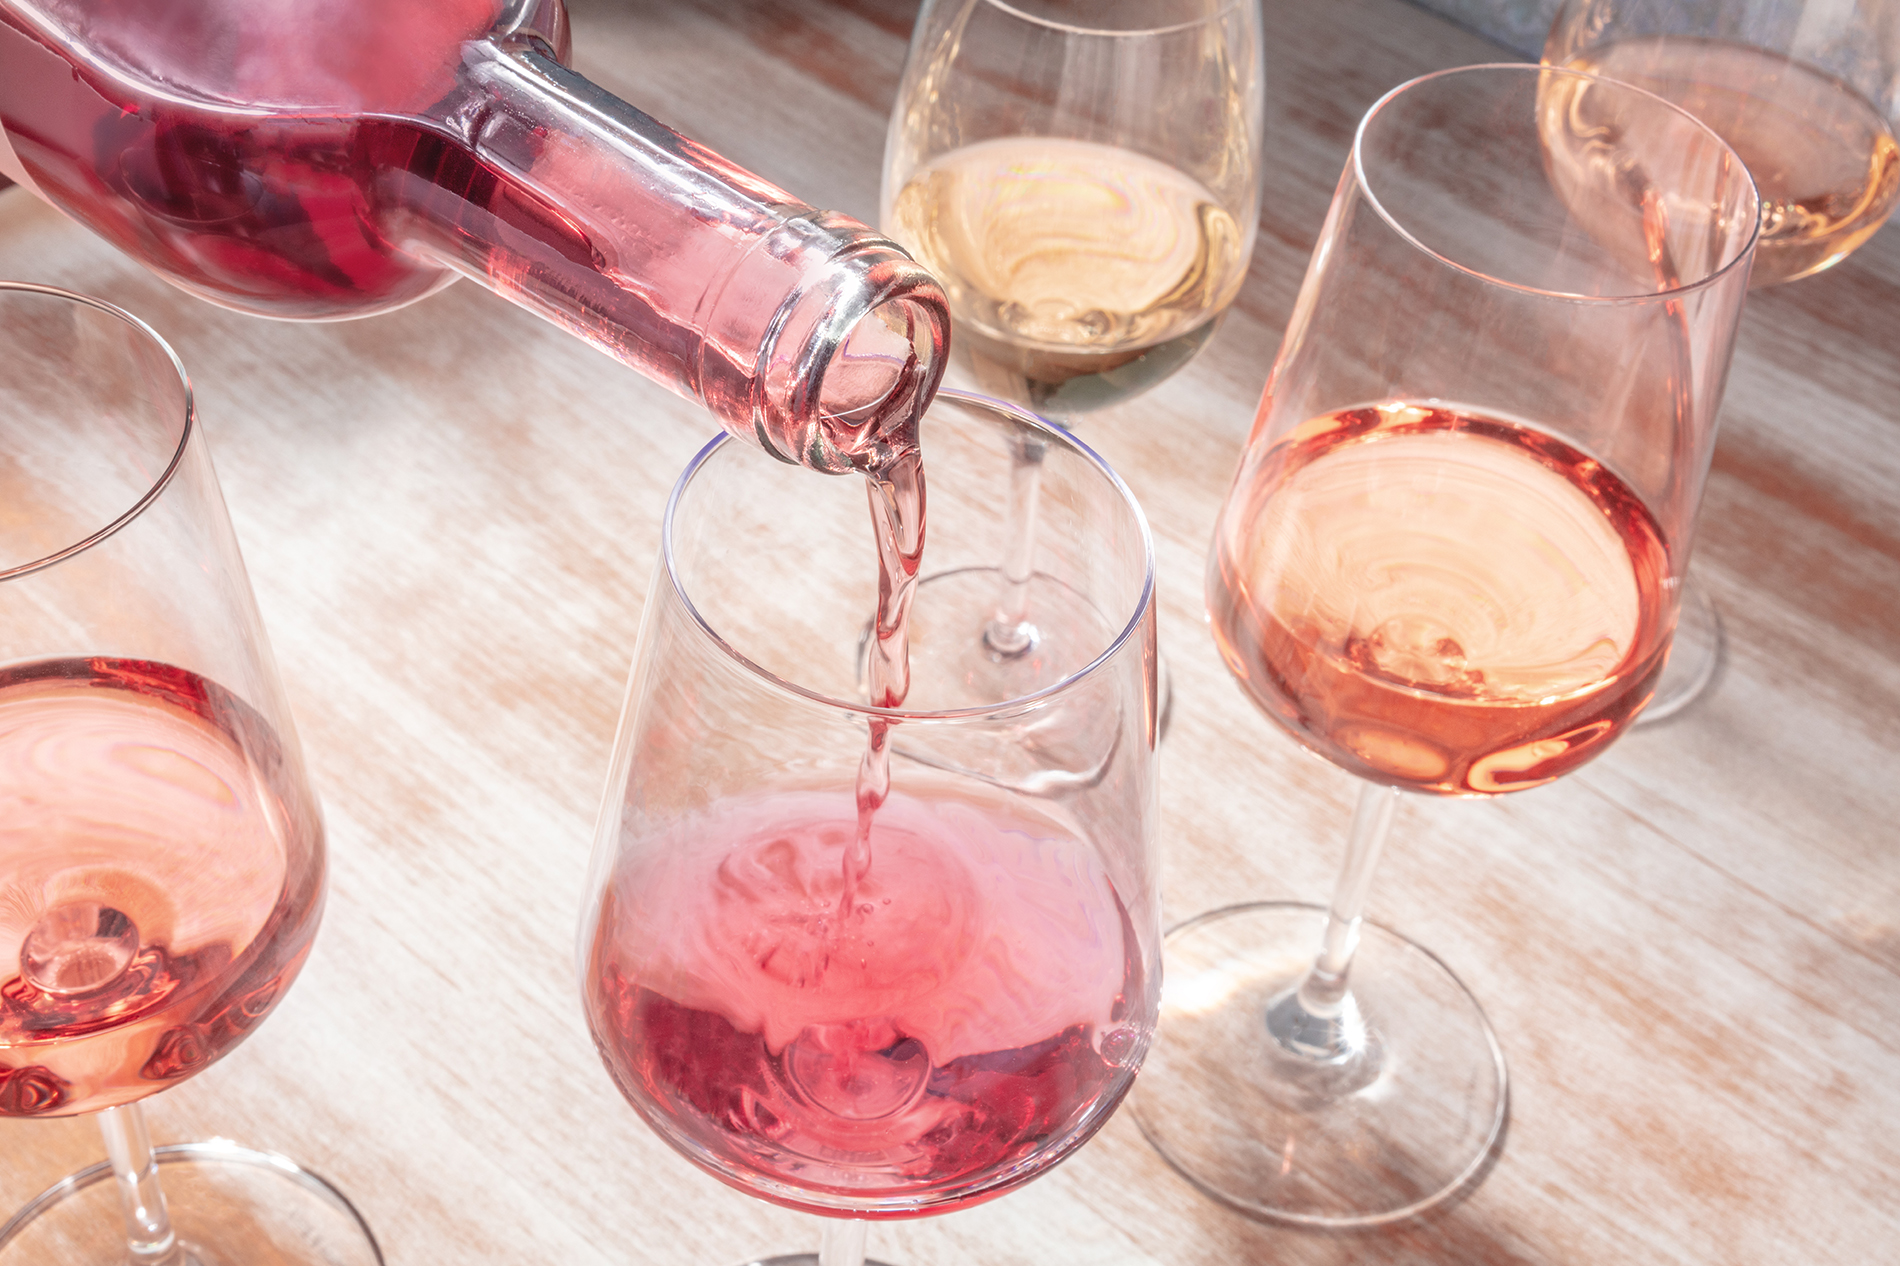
(161, 852)
(879, 961)
(1449, 564)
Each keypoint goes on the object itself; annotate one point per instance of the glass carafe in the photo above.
(324, 161)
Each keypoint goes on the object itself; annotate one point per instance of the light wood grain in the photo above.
(1690, 948)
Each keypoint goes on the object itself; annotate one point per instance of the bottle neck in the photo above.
(802, 330)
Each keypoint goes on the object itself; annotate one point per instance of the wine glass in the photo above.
(1083, 177)
(1448, 564)
(876, 1001)
(1808, 93)
(161, 853)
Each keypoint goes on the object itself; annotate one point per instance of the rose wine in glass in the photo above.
(917, 1045)
(325, 161)
(1449, 563)
(162, 879)
(162, 856)
(1442, 601)
(1805, 93)
(878, 959)
(1822, 155)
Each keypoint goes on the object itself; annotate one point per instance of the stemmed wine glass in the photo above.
(1808, 93)
(1083, 177)
(161, 853)
(1449, 563)
(879, 1001)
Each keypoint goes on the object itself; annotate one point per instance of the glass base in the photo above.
(1375, 1138)
(230, 1206)
(1695, 653)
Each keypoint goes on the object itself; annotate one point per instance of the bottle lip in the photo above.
(868, 272)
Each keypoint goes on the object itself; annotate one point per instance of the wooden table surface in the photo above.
(1690, 948)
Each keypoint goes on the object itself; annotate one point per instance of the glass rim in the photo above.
(1071, 28)
(1711, 278)
(1143, 603)
(185, 431)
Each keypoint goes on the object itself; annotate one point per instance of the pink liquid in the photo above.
(1438, 600)
(896, 491)
(161, 877)
(971, 1019)
(149, 141)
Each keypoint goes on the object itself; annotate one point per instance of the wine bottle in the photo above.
(322, 162)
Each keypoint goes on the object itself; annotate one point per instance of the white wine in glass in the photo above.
(1079, 273)
(1084, 178)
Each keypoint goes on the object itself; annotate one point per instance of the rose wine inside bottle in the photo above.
(1823, 157)
(1441, 600)
(1079, 274)
(323, 161)
(161, 878)
(968, 1020)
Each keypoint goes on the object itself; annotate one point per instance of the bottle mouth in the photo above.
(856, 356)
(879, 381)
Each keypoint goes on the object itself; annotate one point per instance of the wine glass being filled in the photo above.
(1807, 92)
(1083, 178)
(878, 960)
(1449, 564)
(162, 855)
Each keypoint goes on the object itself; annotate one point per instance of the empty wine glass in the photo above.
(1808, 93)
(161, 854)
(1449, 564)
(1083, 177)
(892, 1003)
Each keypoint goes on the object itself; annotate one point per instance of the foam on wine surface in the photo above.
(964, 1024)
(1823, 157)
(1441, 600)
(1078, 273)
(160, 880)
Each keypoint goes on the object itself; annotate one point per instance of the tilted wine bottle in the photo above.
(317, 162)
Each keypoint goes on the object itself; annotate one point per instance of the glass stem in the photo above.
(148, 1227)
(1009, 633)
(1318, 1020)
(843, 1244)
